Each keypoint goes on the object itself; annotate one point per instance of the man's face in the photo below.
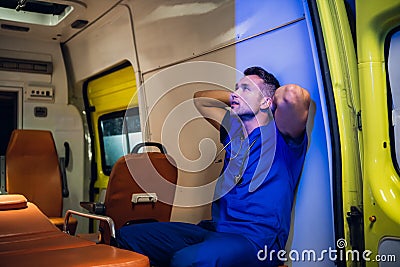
(247, 99)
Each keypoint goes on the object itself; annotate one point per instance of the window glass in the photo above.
(351, 15)
(394, 82)
(132, 122)
(120, 132)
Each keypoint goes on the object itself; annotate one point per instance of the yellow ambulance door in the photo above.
(381, 186)
(114, 122)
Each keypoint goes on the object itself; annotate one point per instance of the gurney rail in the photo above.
(90, 216)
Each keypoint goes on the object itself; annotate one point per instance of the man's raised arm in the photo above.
(291, 103)
(211, 104)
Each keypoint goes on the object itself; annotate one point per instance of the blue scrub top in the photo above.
(255, 191)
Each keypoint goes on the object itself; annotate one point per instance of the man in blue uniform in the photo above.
(265, 141)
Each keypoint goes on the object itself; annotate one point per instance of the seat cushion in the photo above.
(30, 243)
(13, 201)
(19, 222)
(97, 255)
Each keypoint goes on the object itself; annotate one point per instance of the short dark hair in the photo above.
(270, 81)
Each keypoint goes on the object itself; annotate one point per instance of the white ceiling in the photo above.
(89, 10)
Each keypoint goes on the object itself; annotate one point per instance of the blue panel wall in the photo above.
(289, 53)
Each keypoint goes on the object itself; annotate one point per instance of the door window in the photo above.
(120, 132)
(394, 83)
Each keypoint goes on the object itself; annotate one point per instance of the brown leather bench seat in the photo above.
(28, 238)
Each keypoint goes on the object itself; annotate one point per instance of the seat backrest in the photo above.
(151, 172)
(32, 169)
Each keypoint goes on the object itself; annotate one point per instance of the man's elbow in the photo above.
(199, 94)
(295, 95)
(198, 99)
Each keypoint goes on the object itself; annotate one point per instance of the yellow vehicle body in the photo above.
(360, 92)
(111, 92)
(343, 72)
(381, 180)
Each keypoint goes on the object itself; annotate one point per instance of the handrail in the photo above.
(107, 219)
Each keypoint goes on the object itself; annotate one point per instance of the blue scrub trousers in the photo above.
(179, 244)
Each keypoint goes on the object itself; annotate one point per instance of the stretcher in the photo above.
(28, 238)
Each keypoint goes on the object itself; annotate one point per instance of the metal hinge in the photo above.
(359, 122)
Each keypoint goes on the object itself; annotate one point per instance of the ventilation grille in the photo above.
(21, 65)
